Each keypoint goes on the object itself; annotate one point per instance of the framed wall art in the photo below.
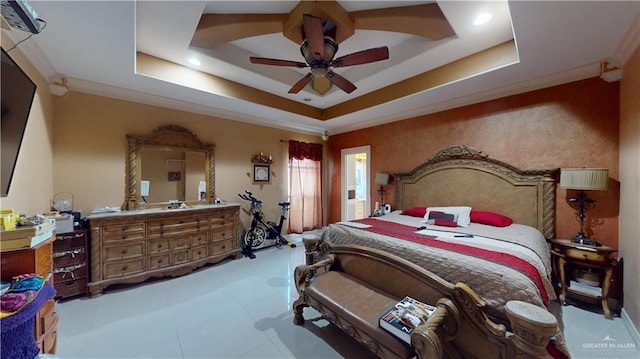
(174, 176)
(261, 173)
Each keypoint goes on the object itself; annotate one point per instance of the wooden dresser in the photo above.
(133, 246)
(70, 263)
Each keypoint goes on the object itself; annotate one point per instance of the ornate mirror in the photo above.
(171, 164)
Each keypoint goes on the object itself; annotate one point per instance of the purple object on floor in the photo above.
(17, 329)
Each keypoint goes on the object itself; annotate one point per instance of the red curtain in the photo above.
(305, 185)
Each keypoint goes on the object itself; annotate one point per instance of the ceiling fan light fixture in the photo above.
(330, 49)
(319, 71)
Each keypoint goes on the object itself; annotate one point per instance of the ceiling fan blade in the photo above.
(301, 84)
(362, 57)
(276, 62)
(312, 27)
(341, 82)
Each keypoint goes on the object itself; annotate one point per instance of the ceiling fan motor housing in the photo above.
(319, 66)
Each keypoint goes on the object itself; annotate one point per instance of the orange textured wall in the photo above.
(571, 125)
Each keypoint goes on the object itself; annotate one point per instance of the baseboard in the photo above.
(633, 331)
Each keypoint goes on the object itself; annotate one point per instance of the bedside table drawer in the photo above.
(580, 254)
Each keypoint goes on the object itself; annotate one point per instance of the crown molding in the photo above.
(120, 93)
(31, 51)
(630, 42)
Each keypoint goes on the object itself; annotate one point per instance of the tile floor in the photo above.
(242, 309)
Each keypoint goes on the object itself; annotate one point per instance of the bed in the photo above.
(500, 263)
(498, 248)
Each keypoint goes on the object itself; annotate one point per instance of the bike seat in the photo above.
(284, 204)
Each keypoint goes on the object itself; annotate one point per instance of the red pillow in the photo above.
(490, 218)
(415, 211)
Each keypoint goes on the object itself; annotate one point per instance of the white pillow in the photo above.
(462, 214)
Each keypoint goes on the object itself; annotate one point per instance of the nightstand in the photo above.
(598, 262)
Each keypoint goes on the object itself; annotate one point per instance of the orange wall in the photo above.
(571, 125)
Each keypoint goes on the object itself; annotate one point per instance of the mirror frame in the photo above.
(173, 136)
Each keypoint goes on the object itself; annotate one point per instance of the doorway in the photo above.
(356, 196)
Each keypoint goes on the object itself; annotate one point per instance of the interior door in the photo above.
(356, 195)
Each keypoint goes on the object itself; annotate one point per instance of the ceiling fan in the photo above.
(318, 50)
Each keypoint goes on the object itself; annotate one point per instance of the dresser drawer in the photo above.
(62, 274)
(158, 245)
(198, 239)
(71, 288)
(199, 252)
(68, 241)
(47, 315)
(159, 261)
(123, 232)
(222, 246)
(180, 243)
(223, 233)
(178, 221)
(69, 256)
(223, 218)
(46, 327)
(180, 257)
(175, 226)
(123, 268)
(125, 251)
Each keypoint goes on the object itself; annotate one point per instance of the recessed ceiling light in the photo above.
(482, 19)
(194, 61)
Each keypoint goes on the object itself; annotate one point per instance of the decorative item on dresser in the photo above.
(132, 246)
(71, 263)
(587, 271)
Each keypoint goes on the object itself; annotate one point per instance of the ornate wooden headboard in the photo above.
(463, 176)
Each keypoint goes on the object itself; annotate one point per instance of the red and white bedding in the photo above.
(499, 263)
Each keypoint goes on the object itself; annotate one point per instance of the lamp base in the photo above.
(586, 241)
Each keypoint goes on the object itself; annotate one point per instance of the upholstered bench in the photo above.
(351, 286)
(356, 305)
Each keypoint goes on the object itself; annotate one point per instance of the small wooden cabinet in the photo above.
(71, 263)
(46, 328)
(38, 260)
(132, 246)
(569, 256)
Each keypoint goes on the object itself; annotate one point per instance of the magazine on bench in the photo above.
(401, 319)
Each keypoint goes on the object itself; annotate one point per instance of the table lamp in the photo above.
(382, 179)
(583, 179)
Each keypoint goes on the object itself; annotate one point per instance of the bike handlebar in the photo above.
(249, 197)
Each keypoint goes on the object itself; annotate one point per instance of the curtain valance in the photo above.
(302, 150)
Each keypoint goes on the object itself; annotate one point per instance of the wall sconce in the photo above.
(325, 136)
(584, 179)
(382, 179)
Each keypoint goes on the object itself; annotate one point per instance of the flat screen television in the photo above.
(17, 96)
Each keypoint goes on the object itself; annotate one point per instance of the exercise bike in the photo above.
(262, 229)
